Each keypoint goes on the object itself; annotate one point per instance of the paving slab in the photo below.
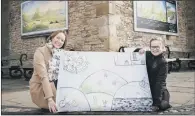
(18, 98)
(180, 98)
(181, 89)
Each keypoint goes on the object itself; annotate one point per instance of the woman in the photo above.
(43, 88)
(157, 69)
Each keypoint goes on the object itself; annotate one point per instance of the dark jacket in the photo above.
(157, 68)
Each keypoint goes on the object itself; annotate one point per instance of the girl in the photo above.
(43, 88)
(157, 69)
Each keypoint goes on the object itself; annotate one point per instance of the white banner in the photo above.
(102, 81)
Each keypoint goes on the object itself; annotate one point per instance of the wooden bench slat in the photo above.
(27, 65)
(171, 59)
(186, 59)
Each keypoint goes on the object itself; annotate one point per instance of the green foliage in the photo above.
(32, 27)
(42, 21)
(40, 27)
(25, 17)
(36, 15)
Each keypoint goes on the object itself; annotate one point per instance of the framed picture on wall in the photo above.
(156, 17)
(40, 18)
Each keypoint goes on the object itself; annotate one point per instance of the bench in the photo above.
(175, 63)
(12, 64)
(172, 64)
(27, 66)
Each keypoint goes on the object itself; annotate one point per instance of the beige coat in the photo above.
(40, 87)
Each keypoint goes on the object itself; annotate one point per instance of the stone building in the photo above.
(98, 26)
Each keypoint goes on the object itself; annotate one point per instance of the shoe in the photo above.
(164, 106)
(170, 106)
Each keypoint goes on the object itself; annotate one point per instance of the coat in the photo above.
(157, 68)
(40, 87)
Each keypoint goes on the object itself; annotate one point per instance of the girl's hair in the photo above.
(57, 32)
(158, 39)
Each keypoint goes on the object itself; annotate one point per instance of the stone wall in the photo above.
(4, 32)
(104, 26)
(186, 17)
(88, 27)
(19, 45)
(123, 34)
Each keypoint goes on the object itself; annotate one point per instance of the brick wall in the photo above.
(104, 26)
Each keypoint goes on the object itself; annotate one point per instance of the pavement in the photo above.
(16, 97)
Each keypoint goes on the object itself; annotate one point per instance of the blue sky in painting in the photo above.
(32, 5)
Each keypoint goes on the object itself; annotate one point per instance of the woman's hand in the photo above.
(52, 106)
(141, 51)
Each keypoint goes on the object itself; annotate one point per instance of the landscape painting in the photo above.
(156, 17)
(155, 10)
(40, 17)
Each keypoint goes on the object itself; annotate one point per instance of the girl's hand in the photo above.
(141, 51)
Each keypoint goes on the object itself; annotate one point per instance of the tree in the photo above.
(36, 15)
(25, 17)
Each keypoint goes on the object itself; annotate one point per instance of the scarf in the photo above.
(54, 62)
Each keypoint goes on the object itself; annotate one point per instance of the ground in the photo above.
(16, 98)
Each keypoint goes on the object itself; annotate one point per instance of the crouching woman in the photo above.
(43, 88)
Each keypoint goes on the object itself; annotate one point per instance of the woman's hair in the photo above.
(57, 32)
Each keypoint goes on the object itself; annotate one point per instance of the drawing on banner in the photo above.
(145, 85)
(137, 59)
(97, 89)
(64, 103)
(120, 90)
(72, 99)
(99, 101)
(104, 102)
(74, 63)
(122, 59)
(91, 83)
(132, 97)
(128, 59)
